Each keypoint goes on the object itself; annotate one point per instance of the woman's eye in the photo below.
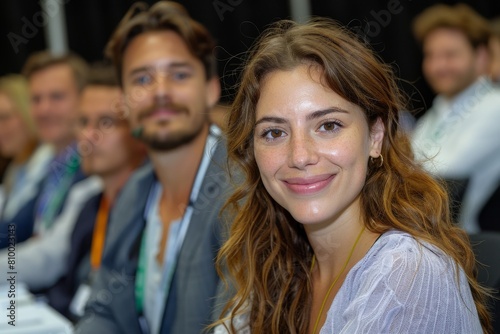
(273, 134)
(329, 126)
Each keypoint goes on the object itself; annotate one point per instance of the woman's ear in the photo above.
(377, 133)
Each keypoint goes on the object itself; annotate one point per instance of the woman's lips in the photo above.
(309, 185)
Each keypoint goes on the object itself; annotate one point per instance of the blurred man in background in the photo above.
(55, 88)
(458, 137)
(165, 230)
(55, 84)
(110, 154)
(109, 151)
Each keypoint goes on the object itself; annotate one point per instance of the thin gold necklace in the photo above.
(336, 279)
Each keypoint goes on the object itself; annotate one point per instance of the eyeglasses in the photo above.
(102, 123)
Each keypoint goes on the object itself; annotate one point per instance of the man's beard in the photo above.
(172, 140)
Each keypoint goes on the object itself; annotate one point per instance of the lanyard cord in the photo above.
(316, 323)
(99, 234)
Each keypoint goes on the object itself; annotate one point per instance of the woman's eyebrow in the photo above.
(311, 116)
(271, 119)
(324, 112)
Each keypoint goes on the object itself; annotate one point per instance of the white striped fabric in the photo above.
(400, 286)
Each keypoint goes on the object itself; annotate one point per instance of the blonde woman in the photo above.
(18, 141)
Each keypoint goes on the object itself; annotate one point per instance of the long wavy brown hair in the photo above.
(267, 256)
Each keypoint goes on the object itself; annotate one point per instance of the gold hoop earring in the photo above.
(381, 163)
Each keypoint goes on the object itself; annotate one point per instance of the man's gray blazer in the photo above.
(191, 300)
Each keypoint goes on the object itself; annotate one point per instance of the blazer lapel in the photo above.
(122, 284)
(214, 184)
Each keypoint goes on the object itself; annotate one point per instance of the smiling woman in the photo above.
(312, 146)
(337, 229)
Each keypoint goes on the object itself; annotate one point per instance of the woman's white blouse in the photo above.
(400, 286)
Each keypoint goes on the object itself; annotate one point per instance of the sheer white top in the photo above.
(400, 286)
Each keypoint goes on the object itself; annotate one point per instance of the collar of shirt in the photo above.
(459, 103)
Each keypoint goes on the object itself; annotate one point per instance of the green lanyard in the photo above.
(57, 199)
(142, 265)
(140, 279)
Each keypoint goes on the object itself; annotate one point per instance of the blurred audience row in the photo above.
(69, 146)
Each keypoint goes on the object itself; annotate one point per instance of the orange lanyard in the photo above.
(99, 234)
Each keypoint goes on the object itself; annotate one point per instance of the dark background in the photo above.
(90, 23)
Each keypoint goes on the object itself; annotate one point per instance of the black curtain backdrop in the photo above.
(385, 24)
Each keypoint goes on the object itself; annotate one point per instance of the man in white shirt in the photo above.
(459, 137)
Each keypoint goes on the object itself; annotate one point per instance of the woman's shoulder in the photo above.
(395, 286)
(399, 254)
(398, 243)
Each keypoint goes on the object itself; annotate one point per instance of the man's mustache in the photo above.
(176, 108)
